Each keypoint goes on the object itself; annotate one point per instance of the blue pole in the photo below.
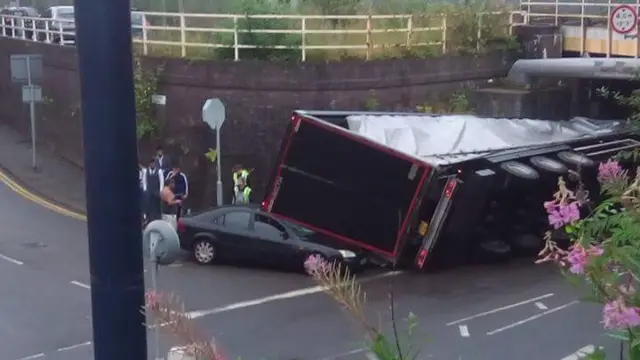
(113, 201)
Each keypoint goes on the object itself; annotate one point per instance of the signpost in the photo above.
(213, 113)
(27, 69)
(624, 19)
(161, 246)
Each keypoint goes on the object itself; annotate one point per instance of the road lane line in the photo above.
(10, 259)
(541, 306)
(464, 330)
(581, 353)
(287, 295)
(31, 357)
(25, 193)
(74, 346)
(503, 308)
(531, 318)
(82, 285)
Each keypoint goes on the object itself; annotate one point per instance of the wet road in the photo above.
(496, 312)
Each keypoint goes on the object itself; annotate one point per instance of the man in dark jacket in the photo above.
(152, 184)
(162, 161)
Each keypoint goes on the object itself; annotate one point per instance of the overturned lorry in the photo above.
(414, 190)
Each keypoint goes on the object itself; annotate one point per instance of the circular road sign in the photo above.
(624, 19)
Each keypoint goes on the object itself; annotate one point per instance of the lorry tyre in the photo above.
(493, 250)
(527, 244)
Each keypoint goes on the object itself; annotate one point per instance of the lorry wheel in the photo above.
(493, 250)
(527, 245)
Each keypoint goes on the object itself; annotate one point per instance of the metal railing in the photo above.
(585, 21)
(184, 35)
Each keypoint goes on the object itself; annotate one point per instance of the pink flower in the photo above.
(578, 257)
(609, 170)
(555, 219)
(617, 315)
(316, 264)
(550, 205)
(570, 212)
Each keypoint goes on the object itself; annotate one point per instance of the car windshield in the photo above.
(298, 229)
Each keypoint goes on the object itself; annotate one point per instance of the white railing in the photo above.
(58, 31)
(190, 35)
(586, 25)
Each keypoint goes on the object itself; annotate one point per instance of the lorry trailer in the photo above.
(413, 189)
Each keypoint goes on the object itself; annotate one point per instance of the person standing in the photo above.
(152, 184)
(181, 187)
(170, 203)
(243, 193)
(162, 160)
(239, 172)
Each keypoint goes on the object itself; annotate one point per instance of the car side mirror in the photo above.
(284, 235)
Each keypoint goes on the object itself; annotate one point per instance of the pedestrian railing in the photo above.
(200, 35)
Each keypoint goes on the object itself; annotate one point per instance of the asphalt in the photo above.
(497, 312)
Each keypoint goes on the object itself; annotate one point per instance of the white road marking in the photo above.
(581, 353)
(82, 285)
(531, 318)
(287, 295)
(541, 306)
(371, 356)
(36, 356)
(464, 330)
(10, 259)
(507, 307)
(75, 346)
(341, 355)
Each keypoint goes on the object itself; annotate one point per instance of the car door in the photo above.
(235, 236)
(274, 243)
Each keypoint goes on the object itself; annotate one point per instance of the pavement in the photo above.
(504, 311)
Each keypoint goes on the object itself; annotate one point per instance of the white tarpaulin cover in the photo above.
(445, 139)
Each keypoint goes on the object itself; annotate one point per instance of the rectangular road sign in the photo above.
(26, 68)
(31, 93)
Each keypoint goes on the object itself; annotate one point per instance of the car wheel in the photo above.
(204, 252)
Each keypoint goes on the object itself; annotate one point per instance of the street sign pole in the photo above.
(213, 113)
(32, 115)
(219, 170)
(103, 32)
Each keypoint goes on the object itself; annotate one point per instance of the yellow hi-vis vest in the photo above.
(242, 196)
(240, 174)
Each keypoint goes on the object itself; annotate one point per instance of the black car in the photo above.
(245, 233)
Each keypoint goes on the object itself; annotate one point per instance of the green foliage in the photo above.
(458, 103)
(371, 102)
(145, 86)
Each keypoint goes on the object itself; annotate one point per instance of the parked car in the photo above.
(245, 233)
(60, 23)
(18, 17)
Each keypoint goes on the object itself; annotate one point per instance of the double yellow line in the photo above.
(18, 189)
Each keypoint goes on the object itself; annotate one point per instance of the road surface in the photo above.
(498, 312)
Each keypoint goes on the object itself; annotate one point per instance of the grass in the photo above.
(388, 37)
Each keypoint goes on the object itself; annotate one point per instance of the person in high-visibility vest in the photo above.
(242, 194)
(239, 172)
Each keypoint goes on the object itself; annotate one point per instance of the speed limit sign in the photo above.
(624, 19)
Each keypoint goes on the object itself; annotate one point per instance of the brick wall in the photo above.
(259, 98)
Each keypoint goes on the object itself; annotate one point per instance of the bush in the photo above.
(388, 37)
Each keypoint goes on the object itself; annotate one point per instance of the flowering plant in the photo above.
(604, 248)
